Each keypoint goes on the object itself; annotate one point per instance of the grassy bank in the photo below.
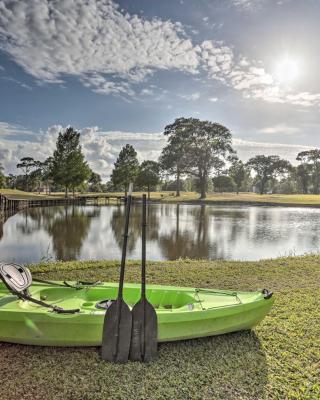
(244, 197)
(278, 360)
(14, 194)
(306, 200)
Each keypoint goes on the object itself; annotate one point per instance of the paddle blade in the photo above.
(144, 336)
(116, 334)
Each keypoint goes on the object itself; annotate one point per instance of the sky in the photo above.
(120, 71)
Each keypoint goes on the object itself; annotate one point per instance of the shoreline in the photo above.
(234, 202)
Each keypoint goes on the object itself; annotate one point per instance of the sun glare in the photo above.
(287, 70)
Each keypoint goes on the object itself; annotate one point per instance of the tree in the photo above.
(26, 163)
(267, 168)
(69, 168)
(125, 169)
(2, 177)
(223, 183)
(203, 146)
(47, 173)
(312, 158)
(173, 159)
(238, 173)
(11, 181)
(302, 175)
(149, 175)
(95, 182)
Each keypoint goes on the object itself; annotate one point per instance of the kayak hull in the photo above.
(183, 313)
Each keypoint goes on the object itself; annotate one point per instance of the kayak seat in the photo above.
(16, 277)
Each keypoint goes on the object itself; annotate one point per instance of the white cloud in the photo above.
(92, 40)
(192, 96)
(247, 4)
(247, 149)
(110, 51)
(249, 76)
(8, 130)
(280, 129)
(213, 99)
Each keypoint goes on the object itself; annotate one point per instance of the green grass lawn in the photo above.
(279, 359)
(14, 194)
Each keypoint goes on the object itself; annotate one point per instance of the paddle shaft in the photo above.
(143, 269)
(144, 239)
(122, 270)
(124, 247)
(144, 317)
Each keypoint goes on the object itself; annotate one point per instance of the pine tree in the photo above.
(126, 168)
(69, 167)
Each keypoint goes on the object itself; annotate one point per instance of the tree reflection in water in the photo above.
(117, 225)
(68, 227)
(174, 231)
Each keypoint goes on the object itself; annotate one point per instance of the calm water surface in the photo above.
(194, 231)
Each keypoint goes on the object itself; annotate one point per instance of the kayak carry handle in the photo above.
(266, 294)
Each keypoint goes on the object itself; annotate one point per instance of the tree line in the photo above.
(198, 156)
(66, 169)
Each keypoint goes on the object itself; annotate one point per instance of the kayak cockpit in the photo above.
(91, 297)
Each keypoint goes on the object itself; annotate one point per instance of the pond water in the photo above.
(193, 231)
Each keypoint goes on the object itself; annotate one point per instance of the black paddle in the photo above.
(116, 335)
(144, 339)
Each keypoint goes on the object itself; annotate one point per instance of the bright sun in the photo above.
(287, 70)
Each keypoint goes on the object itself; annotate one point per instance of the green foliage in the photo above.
(312, 159)
(69, 168)
(148, 176)
(126, 168)
(223, 183)
(196, 147)
(239, 173)
(174, 158)
(95, 182)
(27, 164)
(267, 168)
(2, 177)
(279, 359)
(302, 175)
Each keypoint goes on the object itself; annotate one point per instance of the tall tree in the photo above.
(223, 183)
(149, 175)
(125, 169)
(95, 182)
(312, 158)
(239, 173)
(27, 164)
(47, 173)
(204, 146)
(2, 177)
(267, 168)
(69, 168)
(11, 181)
(173, 159)
(302, 174)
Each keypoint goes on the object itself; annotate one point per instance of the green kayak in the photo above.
(183, 313)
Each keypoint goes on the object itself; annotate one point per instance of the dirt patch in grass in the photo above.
(279, 359)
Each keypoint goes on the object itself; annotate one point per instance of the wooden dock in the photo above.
(14, 204)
